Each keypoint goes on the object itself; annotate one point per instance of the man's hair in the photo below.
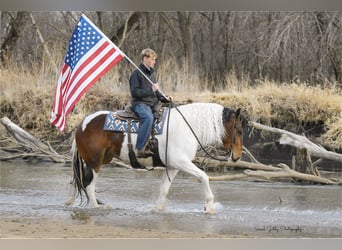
(148, 53)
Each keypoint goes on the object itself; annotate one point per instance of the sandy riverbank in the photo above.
(24, 228)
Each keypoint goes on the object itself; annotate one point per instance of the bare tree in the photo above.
(280, 46)
(185, 22)
(16, 24)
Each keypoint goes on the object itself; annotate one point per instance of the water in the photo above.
(244, 208)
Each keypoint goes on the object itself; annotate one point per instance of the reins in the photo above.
(167, 138)
(197, 139)
(172, 104)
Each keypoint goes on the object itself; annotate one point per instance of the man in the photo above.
(144, 97)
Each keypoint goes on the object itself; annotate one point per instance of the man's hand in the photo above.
(155, 87)
(161, 96)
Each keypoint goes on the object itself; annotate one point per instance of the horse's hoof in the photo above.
(103, 206)
(210, 210)
(69, 203)
(107, 206)
(99, 202)
(158, 208)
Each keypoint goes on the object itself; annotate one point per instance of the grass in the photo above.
(27, 98)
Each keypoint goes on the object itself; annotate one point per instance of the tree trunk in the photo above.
(185, 19)
(41, 39)
(17, 25)
(129, 25)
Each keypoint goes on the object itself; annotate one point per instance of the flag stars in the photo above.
(83, 51)
(82, 40)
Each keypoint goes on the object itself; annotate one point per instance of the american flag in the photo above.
(90, 55)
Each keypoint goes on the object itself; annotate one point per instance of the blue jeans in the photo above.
(146, 121)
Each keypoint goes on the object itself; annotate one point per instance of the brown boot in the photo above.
(144, 153)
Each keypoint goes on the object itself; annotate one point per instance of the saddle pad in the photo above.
(113, 123)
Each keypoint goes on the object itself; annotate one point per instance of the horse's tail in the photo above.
(82, 174)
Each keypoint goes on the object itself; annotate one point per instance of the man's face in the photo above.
(150, 61)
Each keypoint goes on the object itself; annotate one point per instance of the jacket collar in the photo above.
(146, 70)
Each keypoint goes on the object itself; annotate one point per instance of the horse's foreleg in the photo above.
(192, 169)
(165, 187)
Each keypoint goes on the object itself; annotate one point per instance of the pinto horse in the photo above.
(189, 126)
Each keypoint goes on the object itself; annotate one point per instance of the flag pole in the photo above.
(117, 48)
(163, 95)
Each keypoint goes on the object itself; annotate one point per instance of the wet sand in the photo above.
(24, 228)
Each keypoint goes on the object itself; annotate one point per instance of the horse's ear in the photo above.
(237, 112)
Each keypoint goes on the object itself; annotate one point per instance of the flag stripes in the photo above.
(90, 55)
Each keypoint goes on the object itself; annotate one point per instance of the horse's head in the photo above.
(234, 124)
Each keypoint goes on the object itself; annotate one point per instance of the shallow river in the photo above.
(245, 208)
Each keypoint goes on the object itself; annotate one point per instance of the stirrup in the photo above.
(143, 153)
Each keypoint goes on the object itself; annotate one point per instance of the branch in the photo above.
(228, 177)
(275, 172)
(31, 143)
(250, 155)
(240, 164)
(41, 38)
(299, 141)
(286, 172)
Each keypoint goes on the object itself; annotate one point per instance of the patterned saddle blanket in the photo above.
(115, 122)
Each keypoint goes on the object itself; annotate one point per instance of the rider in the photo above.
(144, 98)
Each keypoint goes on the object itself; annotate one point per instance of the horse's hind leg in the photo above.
(73, 195)
(165, 187)
(91, 192)
(93, 201)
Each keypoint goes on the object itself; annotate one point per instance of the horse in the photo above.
(189, 126)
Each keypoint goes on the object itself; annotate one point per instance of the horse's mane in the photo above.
(206, 120)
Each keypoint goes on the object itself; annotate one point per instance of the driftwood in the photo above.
(241, 164)
(299, 141)
(269, 172)
(286, 172)
(31, 145)
(307, 171)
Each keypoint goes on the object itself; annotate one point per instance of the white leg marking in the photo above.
(192, 169)
(91, 191)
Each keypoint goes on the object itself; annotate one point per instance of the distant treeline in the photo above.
(278, 46)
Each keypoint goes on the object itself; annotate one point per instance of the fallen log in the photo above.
(32, 145)
(299, 141)
(240, 164)
(286, 172)
(228, 177)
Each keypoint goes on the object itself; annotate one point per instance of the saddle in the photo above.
(129, 114)
(127, 120)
